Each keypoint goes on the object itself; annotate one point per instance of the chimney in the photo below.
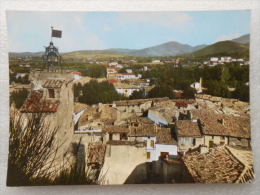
(200, 83)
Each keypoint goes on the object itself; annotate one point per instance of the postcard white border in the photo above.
(134, 5)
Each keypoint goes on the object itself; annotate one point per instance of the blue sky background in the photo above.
(30, 31)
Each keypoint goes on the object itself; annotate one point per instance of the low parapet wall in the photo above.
(228, 102)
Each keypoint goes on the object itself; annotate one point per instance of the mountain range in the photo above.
(173, 48)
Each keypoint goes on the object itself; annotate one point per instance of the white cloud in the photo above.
(75, 36)
(228, 37)
(179, 20)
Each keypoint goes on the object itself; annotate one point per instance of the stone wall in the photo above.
(120, 162)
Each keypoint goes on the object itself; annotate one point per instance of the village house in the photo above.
(219, 129)
(21, 75)
(124, 76)
(188, 135)
(126, 89)
(137, 106)
(128, 70)
(164, 114)
(197, 86)
(113, 64)
(158, 140)
(111, 71)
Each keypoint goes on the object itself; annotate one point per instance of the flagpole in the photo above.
(51, 33)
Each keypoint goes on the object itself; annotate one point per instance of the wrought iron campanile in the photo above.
(51, 55)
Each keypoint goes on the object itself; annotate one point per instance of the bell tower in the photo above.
(52, 58)
(51, 55)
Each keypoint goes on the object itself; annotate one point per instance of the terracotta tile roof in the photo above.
(222, 124)
(102, 113)
(144, 127)
(131, 143)
(96, 153)
(120, 85)
(116, 129)
(52, 83)
(164, 136)
(139, 101)
(216, 166)
(36, 104)
(187, 128)
(184, 101)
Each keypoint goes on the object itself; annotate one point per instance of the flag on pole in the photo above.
(56, 33)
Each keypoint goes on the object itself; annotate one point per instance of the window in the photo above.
(152, 143)
(110, 137)
(211, 144)
(51, 93)
(194, 142)
(191, 141)
(123, 136)
(183, 140)
(148, 155)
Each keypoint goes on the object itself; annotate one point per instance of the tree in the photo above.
(18, 97)
(32, 149)
(161, 91)
(137, 95)
(103, 92)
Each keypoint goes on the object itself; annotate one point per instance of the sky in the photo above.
(30, 30)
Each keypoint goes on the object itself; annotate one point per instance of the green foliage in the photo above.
(90, 70)
(18, 97)
(216, 79)
(137, 95)
(223, 48)
(94, 71)
(94, 92)
(161, 91)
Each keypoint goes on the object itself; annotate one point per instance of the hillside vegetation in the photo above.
(223, 48)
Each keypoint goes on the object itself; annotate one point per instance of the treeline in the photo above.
(94, 92)
(229, 81)
(90, 70)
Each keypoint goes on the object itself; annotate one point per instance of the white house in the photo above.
(226, 59)
(113, 64)
(156, 150)
(156, 61)
(21, 75)
(214, 59)
(197, 86)
(129, 70)
(126, 89)
(125, 76)
(111, 70)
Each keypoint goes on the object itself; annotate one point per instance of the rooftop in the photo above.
(116, 129)
(36, 104)
(139, 101)
(214, 123)
(188, 128)
(120, 85)
(53, 83)
(217, 166)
